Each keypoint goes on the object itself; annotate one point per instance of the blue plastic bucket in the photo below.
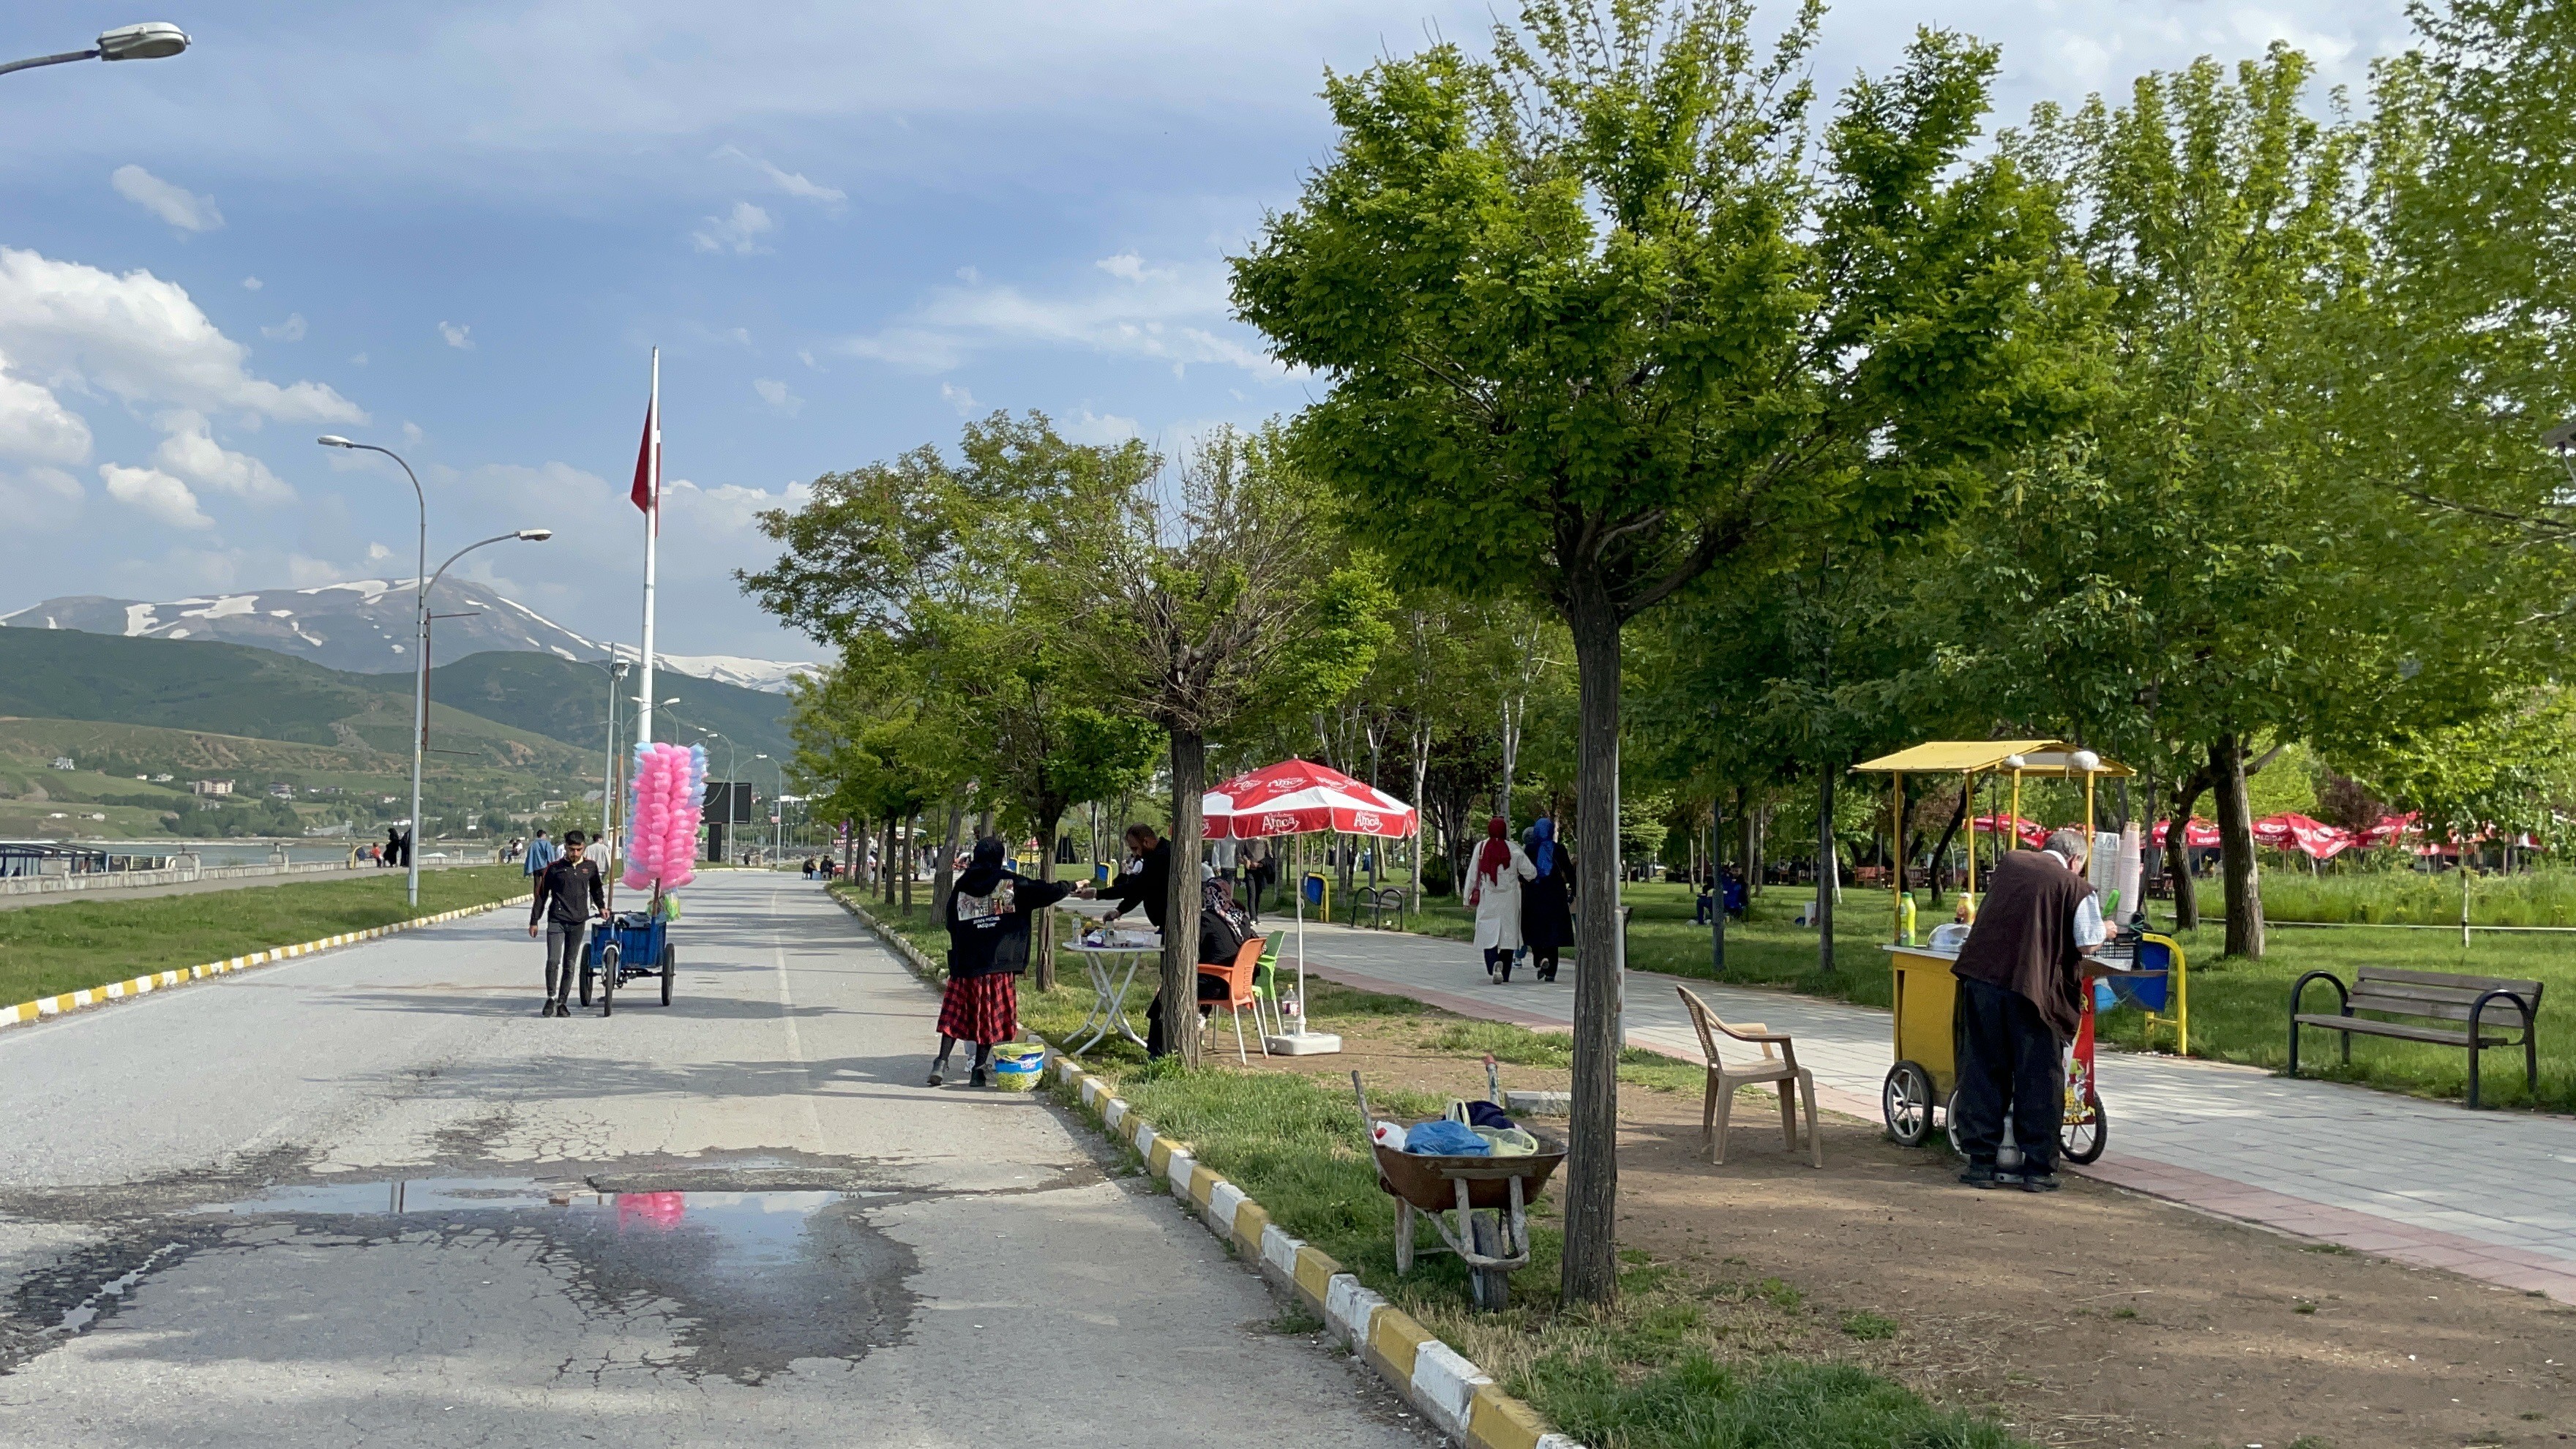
(1018, 1065)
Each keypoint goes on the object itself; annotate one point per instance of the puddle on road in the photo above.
(749, 1281)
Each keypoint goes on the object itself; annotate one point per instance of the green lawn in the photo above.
(1665, 1369)
(45, 950)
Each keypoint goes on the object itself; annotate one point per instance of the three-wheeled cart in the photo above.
(1490, 1195)
(630, 945)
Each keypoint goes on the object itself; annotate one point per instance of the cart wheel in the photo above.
(607, 978)
(670, 969)
(1906, 1102)
(1490, 1288)
(589, 973)
(1950, 1122)
(2082, 1142)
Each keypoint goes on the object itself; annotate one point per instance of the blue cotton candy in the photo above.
(1445, 1138)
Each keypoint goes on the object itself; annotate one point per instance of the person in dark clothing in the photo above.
(569, 894)
(2021, 983)
(1147, 881)
(1223, 928)
(1547, 900)
(989, 914)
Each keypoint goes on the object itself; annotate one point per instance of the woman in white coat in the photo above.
(1494, 890)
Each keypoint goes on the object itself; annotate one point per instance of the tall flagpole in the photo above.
(652, 538)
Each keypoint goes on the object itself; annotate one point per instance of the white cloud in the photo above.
(34, 425)
(40, 500)
(738, 231)
(958, 398)
(172, 204)
(458, 335)
(791, 182)
(190, 451)
(805, 355)
(969, 275)
(378, 553)
(782, 402)
(412, 432)
(141, 339)
(357, 359)
(252, 284)
(290, 330)
(1094, 427)
(1169, 314)
(155, 493)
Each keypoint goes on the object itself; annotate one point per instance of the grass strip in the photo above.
(49, 949)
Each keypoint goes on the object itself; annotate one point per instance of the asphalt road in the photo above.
(371, 1197)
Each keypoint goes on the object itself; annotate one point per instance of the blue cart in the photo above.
(631, 945)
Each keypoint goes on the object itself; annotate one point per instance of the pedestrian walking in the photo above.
(569, 894)
(1547, 902)
(2021, 985)
(989, 914)
(1494, 892)
(541, 853)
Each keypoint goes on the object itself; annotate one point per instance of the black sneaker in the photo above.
(1980, 1174)
(979, 1078)
(938, 1072)
(2039, 1182)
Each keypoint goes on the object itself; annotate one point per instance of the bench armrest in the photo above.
(2343, 996)
(2478, 1008)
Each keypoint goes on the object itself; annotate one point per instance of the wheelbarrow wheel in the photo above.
(670, 969)
(589, 974)
(1906, 1102)
(607, 979)
(1489, 1288)
(1950, 1123)
(2082, 1142)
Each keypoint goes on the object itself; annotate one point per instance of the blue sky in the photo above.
(455, 229)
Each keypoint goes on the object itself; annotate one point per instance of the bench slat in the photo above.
(2453, 980)
(2499, 1010)
(2365, 1026)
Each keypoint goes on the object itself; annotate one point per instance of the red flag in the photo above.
(644, 473)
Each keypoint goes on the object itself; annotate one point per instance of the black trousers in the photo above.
(2008, 1060)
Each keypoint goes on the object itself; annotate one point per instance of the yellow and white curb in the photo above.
(1449, 1390)
(44, 1006)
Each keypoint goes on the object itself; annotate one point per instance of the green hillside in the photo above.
(565, 700)
(236, 690)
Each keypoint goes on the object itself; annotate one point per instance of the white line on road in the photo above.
(795, 1043)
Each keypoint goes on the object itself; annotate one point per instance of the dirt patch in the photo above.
(2091, 1316)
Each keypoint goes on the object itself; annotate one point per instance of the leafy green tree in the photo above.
(1596, 320)
(1236, 604)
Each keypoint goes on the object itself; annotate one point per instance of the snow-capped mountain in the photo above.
(365, 626)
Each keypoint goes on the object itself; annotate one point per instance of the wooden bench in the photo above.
(2431, 997)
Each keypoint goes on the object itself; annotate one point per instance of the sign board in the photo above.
(727, 802)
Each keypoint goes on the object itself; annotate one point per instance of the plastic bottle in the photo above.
(1905, 919)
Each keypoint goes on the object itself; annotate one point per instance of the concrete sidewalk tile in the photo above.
(1394, 1342)
(1496, 1420)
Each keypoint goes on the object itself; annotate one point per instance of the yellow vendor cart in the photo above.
(1917, 1095)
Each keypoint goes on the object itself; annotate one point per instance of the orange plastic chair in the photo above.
(1239, 993)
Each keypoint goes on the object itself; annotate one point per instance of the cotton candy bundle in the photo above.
(662, 811)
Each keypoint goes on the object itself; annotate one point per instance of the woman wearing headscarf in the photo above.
(1223, 928)
(1494, 890)
(989, 911)
(1547, 902)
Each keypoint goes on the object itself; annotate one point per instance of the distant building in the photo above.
(210, 787)
(281, 790)
(162, 779)
(64, 762)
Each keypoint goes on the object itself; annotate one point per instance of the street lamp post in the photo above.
(152, 40)
(608, 772)
(778, 804)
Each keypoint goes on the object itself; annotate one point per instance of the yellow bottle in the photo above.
(1905, 919)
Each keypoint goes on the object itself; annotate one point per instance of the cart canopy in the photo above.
(2039, 757)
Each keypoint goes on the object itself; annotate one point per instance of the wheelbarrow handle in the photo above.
(1368, 1124)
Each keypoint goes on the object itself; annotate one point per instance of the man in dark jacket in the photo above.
(1147, 881)
(568, 895)
(2021, 983)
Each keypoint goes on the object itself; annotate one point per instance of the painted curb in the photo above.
(45, 1006)
(1436, 1379)
(912, 955)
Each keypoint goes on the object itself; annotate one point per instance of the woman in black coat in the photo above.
(989, 911)
(1547, 900)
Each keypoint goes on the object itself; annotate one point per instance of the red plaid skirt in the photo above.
(981, 1009)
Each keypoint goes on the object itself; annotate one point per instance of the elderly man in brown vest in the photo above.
(2021, 984)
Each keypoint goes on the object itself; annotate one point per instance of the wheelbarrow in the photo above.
(1490, 1195)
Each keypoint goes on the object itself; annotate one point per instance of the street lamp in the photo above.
(778, 820)
(608, 772)
(152, 40)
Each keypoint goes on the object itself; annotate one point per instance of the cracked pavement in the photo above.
(371, 1196)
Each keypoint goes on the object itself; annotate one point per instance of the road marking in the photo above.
(787, 1013)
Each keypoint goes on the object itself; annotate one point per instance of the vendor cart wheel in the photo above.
(1906, 1102)
(670, 969)
(2082, 1142)
(1489, 1288)
(607, 978)
(588, 973)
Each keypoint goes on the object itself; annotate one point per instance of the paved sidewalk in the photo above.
(2488, 1194)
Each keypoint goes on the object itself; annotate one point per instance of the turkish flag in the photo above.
(645, 474)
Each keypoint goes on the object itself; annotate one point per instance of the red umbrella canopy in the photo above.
(1296, 796)
(2029, 832)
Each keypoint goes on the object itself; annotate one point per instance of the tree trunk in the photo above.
(944, 874)
(911, 857)
(2178, 850)
(1181, 911)
(1828, 867)
(886, 866)
(1591, 1265)
(2236, 848)
(1044, 967)
(1932, 865)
